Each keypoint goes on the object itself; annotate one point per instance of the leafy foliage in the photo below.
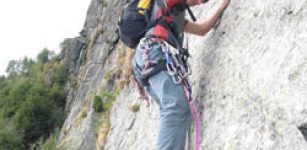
(50, 143)
(97, 104)
(9, 139)
(31, 109)
(109, 99)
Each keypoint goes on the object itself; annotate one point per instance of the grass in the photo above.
(103, 131)
(102, 125)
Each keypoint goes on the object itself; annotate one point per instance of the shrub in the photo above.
(10, 139)
(97, 104)
(109, 98)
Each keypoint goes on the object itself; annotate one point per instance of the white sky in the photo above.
(28, 26)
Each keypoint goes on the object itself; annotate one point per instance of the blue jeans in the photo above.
(175, 115)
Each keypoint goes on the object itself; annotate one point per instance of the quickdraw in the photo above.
(177, 65)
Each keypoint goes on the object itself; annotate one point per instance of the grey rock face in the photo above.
(78, 131)
(77, 46)
(249, 78)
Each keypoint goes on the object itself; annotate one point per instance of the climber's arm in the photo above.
(203, 27)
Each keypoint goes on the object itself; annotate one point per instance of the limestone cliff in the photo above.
(249, 77)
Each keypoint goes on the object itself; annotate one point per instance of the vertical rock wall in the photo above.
(249, 77)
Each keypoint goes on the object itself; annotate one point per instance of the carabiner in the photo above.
(177, 79)
(171, 71)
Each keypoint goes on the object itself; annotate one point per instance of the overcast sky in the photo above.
(28, 26)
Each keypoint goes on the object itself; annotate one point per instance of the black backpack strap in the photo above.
(190, 12)
(148, 12)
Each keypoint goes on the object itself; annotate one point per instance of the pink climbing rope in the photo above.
(195, 116)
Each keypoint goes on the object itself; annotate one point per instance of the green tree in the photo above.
(51, 142)
(27, 65)
(65, 45)
(61, 74)
(19, 67)
(10, 140)
(35, 119)
(30, 108)
(17, 94)
(13, 68)
(57, 94)
(43, 56)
